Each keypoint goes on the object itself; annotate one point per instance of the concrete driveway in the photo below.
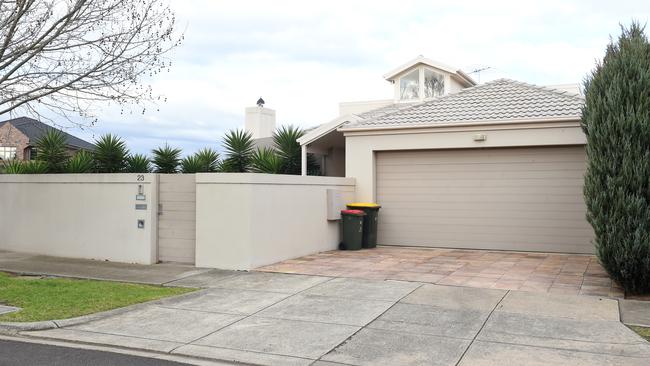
(285, 319)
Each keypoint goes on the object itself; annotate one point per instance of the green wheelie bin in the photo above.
(352, 221)
(369, 222)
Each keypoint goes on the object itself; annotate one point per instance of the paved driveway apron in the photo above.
(284, 319)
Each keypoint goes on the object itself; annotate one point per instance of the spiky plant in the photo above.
(166, 159)
(52, 150)
(35, 167)
(288, 149)
(616, 121)
(110, 154)
(266, 160)
(191, 164)
(209, 160)
(13, 166)
(239, 148)
(81, 162)
(138, 163)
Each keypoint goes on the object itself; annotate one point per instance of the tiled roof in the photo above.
(34, 129)
(498, 100)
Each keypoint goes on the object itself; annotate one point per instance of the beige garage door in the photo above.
(527, 199)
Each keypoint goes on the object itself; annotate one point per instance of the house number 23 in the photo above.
(140, 178)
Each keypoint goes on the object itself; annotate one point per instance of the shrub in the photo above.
(616, 121)
(266, 160)
(35, 167)
(13, 166)
(288, 149)
(191, 164)
(52, 150)
(166, 159)
(110, 154)
(209, 160)
(81, 162)
(239, 149)
(138, 163)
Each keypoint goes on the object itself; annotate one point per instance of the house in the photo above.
(19, 136)
(498, 165)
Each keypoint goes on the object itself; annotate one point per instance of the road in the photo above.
(14, 353)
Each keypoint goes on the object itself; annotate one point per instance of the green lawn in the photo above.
(60, 298)
(643, 332)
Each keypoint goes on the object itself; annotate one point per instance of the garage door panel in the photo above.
(456, 190)
(566, 246)
(478, 197)
(516, 199)
(473, 213)
(408, 180)
(498, 174)
(424, 223)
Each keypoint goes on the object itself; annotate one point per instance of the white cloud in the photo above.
(304, 57)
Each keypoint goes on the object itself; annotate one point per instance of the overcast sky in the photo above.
(304, 57)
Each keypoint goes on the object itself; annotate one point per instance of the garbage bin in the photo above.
(369, 221)
(352, 221)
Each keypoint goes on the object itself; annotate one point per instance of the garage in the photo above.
(524, 199)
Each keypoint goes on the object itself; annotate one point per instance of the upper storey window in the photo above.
(421, 83)
(434, 84)
(409, 85)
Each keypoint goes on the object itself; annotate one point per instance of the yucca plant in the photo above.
(13, 166)
(209, 160)
(191, 164)
(166, 159)
(110, 154)
(138, 163)
(35, 167)
(266, 160)
(81, 162)
(286, 143)
(52, 150)
(239, 148)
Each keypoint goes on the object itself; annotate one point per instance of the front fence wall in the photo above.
(90, 216)
(217, 220)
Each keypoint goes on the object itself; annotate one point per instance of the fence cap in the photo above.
(363, 205)
(353, 212)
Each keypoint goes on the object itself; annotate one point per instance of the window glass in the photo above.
(434, 84)
(7, 152)
(409, 85)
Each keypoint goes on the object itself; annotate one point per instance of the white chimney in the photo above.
(260, 121)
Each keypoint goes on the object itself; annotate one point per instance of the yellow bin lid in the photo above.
(364, 205)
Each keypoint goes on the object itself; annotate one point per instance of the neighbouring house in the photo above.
(19, 136)
(455, 164)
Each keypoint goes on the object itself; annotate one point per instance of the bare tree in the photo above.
(67, 56)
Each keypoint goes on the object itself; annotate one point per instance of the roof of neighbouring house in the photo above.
(498, 100)
(34, 130)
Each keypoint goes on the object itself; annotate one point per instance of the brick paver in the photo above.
(536, 272)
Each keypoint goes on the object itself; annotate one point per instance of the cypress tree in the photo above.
(616, 121)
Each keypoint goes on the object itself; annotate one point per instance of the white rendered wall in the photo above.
(249, 220)
(90, 216)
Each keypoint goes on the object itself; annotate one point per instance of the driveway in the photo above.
(570, 274)
(284, 319)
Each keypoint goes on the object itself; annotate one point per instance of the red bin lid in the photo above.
(353, 212)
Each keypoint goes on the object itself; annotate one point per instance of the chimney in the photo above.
(260, 121)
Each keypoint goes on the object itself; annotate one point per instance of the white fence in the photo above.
(80, 215)
(242, 220)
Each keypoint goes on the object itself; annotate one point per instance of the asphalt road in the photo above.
(13, 353)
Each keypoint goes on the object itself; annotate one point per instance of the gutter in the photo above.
(460, 124)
